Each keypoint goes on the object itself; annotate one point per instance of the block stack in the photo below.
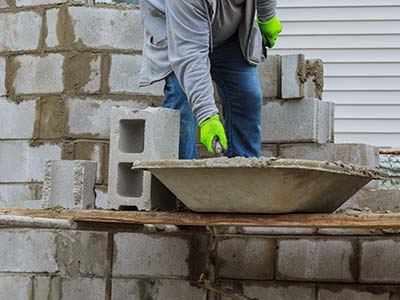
(296, 123)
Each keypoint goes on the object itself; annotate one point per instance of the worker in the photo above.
(190, 44)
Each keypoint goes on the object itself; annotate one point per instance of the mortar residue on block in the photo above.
(281, 291)
(94, 152)
(293, 69)
(357, 154)
(88, 288)
(107, 28)
(20, 31)
(152, 133)
(52, 120)
(3, 90)
(39, 75)
(17, 119)
(314, 84)
(124, 76)
(265, 185)
(70, 184)
(270, 77)
(298, 121)
(356, 292)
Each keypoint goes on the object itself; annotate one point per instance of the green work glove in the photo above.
(211, 128)
(270, 31)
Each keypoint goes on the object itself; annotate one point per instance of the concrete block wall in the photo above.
(166, 263)
(63, 65)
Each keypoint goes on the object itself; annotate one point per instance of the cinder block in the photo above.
(354, 293)
(28, 251)
(3, 89)
(52, 16)
(270, 77)
(316, 260)
(314, 85)
(39, 74)
(298, 121)
(101, 198)
(375, 200)
(264, 291)
(152, 133)
(269, 150)
(346, 231)
(46, 287)
(124, 76)
(138, 254)
(245, 258)
(107, 28)
(4, 4)
(29, 164)
(84, 150)
(380, 260)
(357, 154)
(82, 253)
(83, 288)
(90, 118)
(70, 183)
(123, 289)
(14, 195)
(20, 31)
(293, 76)
(34, 204)
(15, 287)
(25, 114)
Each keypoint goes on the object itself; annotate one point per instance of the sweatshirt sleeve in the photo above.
(188, 32)
(266, 9)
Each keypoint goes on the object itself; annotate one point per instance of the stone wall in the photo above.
(164, 263)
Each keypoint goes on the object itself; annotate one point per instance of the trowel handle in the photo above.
(217, 147)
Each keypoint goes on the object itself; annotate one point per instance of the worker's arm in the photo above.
(269, 23)
(188, 30)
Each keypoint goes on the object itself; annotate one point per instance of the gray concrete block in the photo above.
(144, 255)
(134, 289)
(20, 31)
(107, 28)
(101, 198)
(29, 165)
(70, 183)
(90, 117)
(82, 253)
(293, 76)
(298, 121)
(152, 133)
(35, 204)
(18, 287)
(276, 231)
(30, 251)
(83, 288)
(380, 260)
(348, 232)
(33, 74)
(266, 291)
(3, 90)
(354, 293)
(375, 200)
(4, 4)
(14, 195)
(269, 150)
(24, 112)
(316, 260)
(46, 287)
(357, 154)
(85, 150)
(51, 23)
(245, 258)
(270, 77)
(124, 76)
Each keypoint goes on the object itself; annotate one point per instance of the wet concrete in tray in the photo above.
(265, 185)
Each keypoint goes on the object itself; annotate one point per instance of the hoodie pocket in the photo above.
(257, 52)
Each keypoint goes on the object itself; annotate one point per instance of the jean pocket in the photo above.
(160, 44)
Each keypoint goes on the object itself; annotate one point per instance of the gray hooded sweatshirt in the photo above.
(179, 37)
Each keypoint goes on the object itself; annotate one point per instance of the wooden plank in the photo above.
(359, 220)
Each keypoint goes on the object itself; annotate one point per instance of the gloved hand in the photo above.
(270, 31)
(211, 128)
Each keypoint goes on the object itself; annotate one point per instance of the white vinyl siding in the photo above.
(359, 42)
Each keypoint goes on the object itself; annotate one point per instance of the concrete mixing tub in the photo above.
(249, 185)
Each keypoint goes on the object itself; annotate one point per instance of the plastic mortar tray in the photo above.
(265, 185)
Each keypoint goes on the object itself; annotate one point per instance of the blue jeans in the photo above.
(239, 89)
